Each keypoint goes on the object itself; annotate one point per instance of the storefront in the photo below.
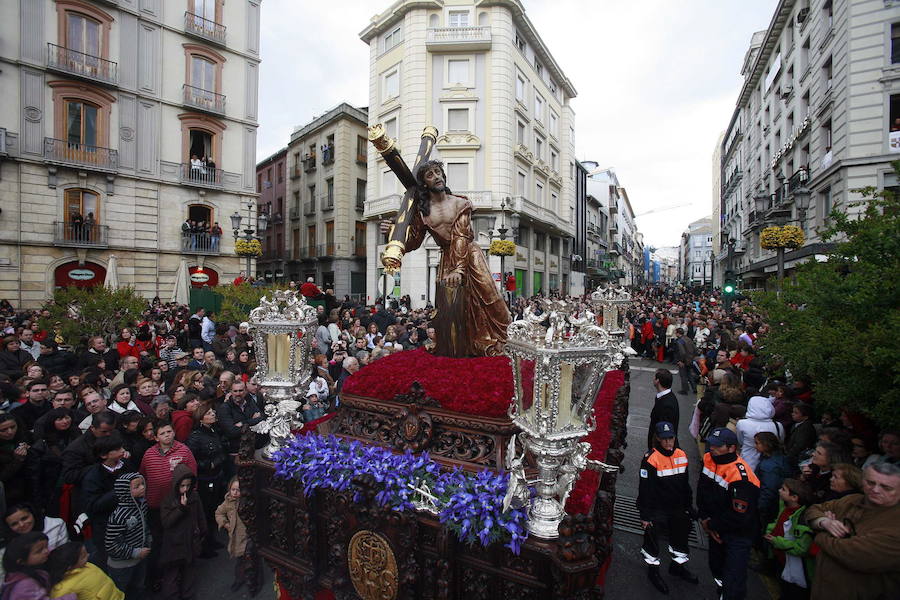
(203, 277)
(73, 274)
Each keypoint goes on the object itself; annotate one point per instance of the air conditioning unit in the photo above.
(787, 91)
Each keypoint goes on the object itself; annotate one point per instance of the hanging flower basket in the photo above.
(502, 248)
(787, 236)
(248, 248)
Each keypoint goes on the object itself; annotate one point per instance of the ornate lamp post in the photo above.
(262, 221)
(557, 371)
(283, 330)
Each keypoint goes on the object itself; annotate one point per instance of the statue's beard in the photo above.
(438, 189)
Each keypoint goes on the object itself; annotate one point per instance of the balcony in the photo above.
(70, 154)
(327, 203)
(328, 155)
(201, 176)
(295, 171)
(84, 235)
(204, 28)
(295, 213)
(616, 249)
(309, 162)
(199, 243)
(386, 205)
(325, 250)
(3, 150)
(204, 100)
(613, 208)
(444, 39)
(81, 65)
(309, 207)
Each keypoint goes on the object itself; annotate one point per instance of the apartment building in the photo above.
(716, 201)
(617, 253)
(120, 121)
(325, 194)
(482, 75)
(818, 117)
(695, 258)
(271, 185)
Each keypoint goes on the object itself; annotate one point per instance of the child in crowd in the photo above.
(184, 527)
(773, 468)
(791, 540)
(23, 562)
(70, 572)
(128, 538)
(228, 519)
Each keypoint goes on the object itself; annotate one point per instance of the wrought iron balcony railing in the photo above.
(201, 175)
(80, 155)
(204, 100)
(205, 28)
(200, 243)
(82, 65)
(86, 235)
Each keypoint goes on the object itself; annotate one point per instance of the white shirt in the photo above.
(663, 393)
(208, 329)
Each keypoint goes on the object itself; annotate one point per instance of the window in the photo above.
(329, 238)
(361, 148)
(202, 137)
(393, 38)
(894, 116)
(554, 205)
(520, 43)
(828, 14)
(827, 73)
(826, 138)
(388, 183)
(554, 245)
(390, 127)
(520, 88)
(538, 107)
(81, 203)
(540, 241)
(804, 57)
(205, 9)
(554, 160)
(391, 85)
(520, 133)
(81, 123)
(280, 168)
(538, 147)
(825, 204)
(295, 244)
(203, 73)
(539, 194)
(458, 175)
(311, 240)
(521, 183)
(554, 124)
(895, 43)
(457, 119)
(312, 198)
(360, 194)
(458, 18)
(83, 34)
(329, 197)
(538, 68)
(259, 182)
(296, 206)
(458, 71)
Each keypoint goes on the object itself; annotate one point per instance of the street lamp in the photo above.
(262, 221)
(501, 231)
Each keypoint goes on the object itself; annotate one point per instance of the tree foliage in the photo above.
(837, 323)
(81, 312)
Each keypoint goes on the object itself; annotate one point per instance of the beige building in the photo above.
(103, 106)
(818, 116)
(481, 74)
(326, 192)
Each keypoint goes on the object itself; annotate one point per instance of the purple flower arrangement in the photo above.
(470, 505)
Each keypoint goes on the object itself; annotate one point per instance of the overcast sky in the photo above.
(657, 82)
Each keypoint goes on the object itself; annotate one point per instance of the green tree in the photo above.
(81, 312)
(837, 322)
(239, 300)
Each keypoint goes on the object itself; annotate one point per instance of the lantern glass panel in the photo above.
(278, 353)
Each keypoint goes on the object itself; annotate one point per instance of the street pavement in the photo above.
(627, 574)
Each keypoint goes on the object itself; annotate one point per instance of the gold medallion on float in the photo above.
(373, 568)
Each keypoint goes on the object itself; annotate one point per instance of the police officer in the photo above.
(727, 496)
(664, 501)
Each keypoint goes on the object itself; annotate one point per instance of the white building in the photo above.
(717, 200)
(481, 74)
(813, 122)
(103, 105)
(695, 253)
(618, 249)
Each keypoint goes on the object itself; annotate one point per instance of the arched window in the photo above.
(82, 215)
(83, 28)
(82, 124)
(81, 115)
(200, 212)
(202, 137)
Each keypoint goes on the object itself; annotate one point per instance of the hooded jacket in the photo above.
(184, 525)
(227, 518)
(759, 418)
(20, 585)
(128, 527)
(89, 583)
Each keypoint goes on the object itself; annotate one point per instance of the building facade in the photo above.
(326, 190)
(481, 74)
(695, 256)
(618, 249)
(818, 117)
(271, 185)
(120, 121)
(716, 201)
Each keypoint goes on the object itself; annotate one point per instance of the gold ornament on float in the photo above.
(373, 568)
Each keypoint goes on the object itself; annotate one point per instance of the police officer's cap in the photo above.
(665, 430)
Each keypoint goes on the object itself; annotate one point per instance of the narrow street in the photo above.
(627, 574)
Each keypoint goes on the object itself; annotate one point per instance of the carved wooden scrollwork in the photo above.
(417, 396)
(412, 429)
(464, 446)
(576, 538)
(373, 568)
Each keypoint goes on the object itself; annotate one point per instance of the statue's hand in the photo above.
(453, 280)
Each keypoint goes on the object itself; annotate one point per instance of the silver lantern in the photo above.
(611, 302)
(283, 330)
(565, 355)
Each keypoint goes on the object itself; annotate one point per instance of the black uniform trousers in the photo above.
(677, 526)
(728, 563)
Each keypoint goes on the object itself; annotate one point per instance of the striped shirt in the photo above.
(157, 468)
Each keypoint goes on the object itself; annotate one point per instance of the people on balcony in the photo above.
(203, 169)
(200, 236)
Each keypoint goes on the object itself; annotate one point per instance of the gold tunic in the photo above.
(471, 319)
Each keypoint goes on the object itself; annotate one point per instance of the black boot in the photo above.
(657, 580)
(681, 572)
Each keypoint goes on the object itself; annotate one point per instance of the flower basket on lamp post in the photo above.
(244, 247)
(778, 238)
(502, 248)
